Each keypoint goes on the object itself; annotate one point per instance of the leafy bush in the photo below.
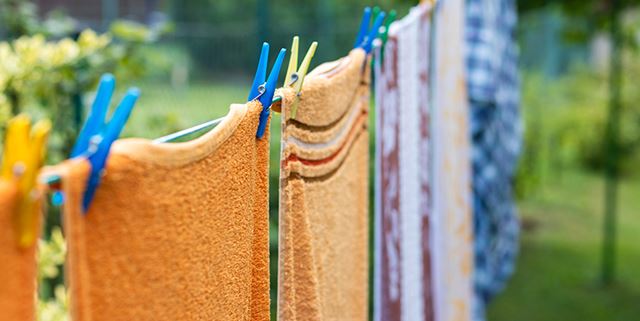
(566, 120)
(51, 256)
(49, 78)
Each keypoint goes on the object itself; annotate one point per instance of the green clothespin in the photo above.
(376, 11)
(383, 33)
(295, 75)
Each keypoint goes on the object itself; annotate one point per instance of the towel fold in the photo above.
(324, 195)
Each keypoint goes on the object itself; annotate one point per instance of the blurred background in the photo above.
(578, 184)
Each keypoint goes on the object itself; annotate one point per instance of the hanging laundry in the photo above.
(20, 216)
(496, 130)
(451, 185)
(18, 272)
(324, 194)
(403, 276)
(175, 231)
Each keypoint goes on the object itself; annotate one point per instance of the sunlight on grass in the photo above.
(557, 272)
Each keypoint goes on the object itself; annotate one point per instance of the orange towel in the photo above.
(18, 265)
(324, 195)
(175, 231)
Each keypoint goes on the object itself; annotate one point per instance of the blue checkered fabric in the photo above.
(496, 129)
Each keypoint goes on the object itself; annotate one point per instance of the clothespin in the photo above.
(96, 136)
(295, 76)
(364, 27)
(375, 12)
(24, 154)
(384, 32)
(366, 36)
(263, 91)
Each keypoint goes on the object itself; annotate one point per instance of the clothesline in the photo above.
(55, 179)
(174, 220)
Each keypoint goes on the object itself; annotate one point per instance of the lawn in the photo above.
(557, 272)
(558, 269)
(162, 110)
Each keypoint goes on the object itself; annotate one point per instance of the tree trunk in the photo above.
(612, 147)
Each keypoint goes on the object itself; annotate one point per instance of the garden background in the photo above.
(191, 59)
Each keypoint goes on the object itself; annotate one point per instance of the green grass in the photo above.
(557, 272)
(181, 108)
(557, 276)
(162, 110)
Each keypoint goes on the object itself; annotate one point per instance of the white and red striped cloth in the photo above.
(423, 248)
(403, 273)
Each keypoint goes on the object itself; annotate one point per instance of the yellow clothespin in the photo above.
(24, 153)
(295, 76)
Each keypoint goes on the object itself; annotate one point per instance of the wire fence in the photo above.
(224, 37)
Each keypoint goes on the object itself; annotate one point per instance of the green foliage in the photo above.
(566, 120)
(20, 17)
(558, 265)
(581, 119)
(224, 36)
(56, 309)
(49, 78)
(51, 256)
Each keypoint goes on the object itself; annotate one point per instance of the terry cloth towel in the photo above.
(18, 265)
(496, 129)
(403, 280)
(452, 216)
(175, 231)
(323, 268)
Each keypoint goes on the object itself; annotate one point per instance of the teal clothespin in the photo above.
(384, 32)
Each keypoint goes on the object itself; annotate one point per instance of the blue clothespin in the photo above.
(366, 36)
(263, 91)
(364, 27)
(96, 136)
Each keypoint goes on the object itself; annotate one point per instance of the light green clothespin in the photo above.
(295, 76)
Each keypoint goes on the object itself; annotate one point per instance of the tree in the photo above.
(604, 15)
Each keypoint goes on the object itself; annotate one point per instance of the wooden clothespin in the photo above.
(24, 153)
(295, 76)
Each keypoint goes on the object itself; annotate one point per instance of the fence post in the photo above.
(612, 148)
